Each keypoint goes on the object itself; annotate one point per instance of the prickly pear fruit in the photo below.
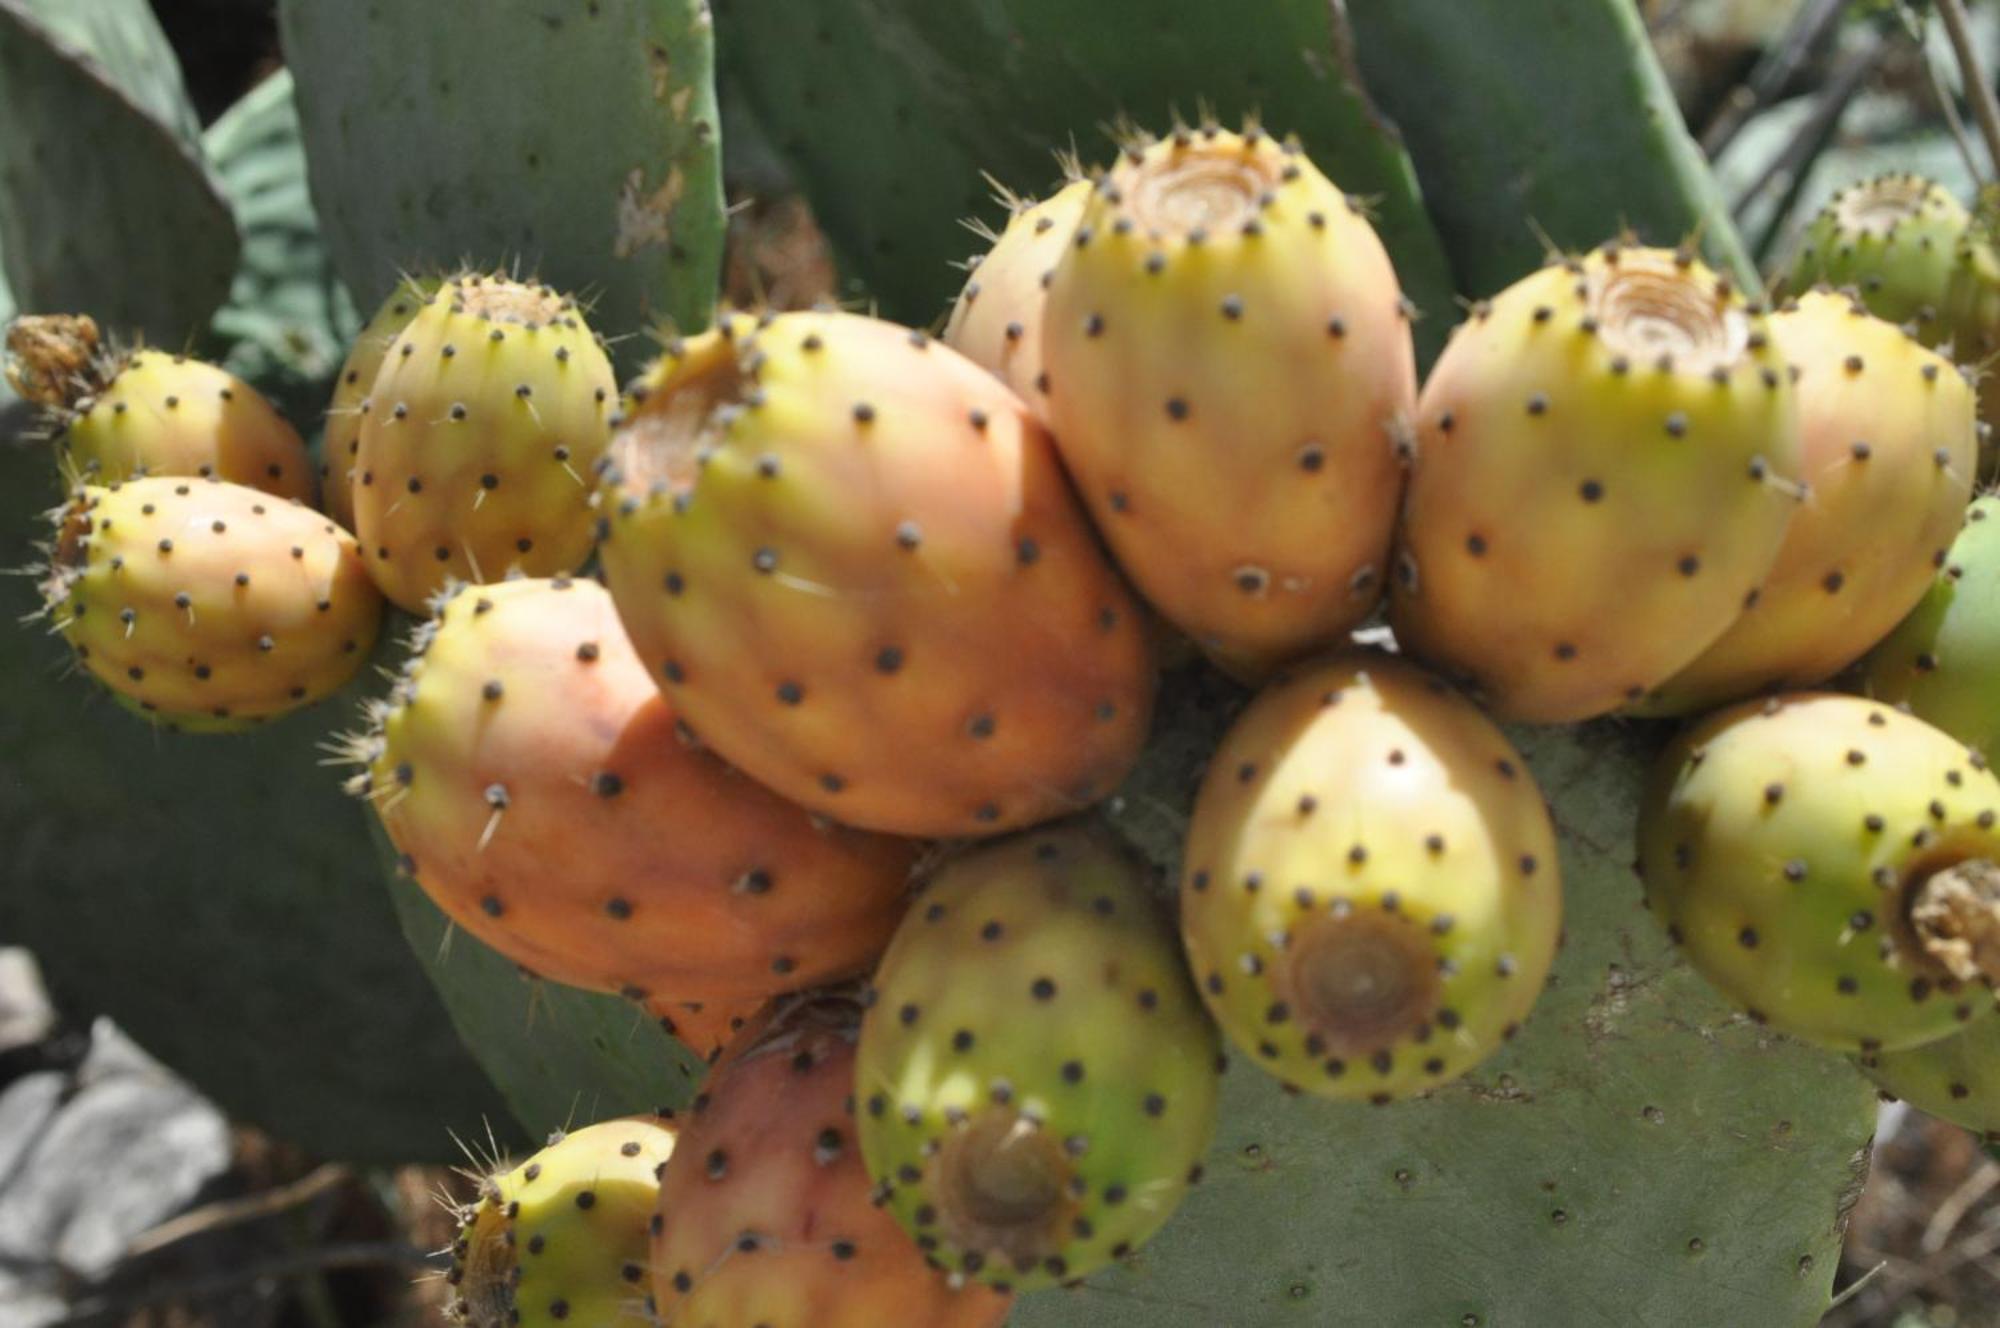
(1371, 898)
(1829, 864)
(1231, 377)
(480, 439)
(121, 415)
(704, 1027)
(1942, 660)
(765, 1213)
(1891, 240)
(824, 529)
(997, 320)
(342, 441)
(1037, 1076)
(1607, 458)
(1955, 1078)
(1970, 323)
(1889, 432)
(561, 1238)
(532, 776)
(205, 605)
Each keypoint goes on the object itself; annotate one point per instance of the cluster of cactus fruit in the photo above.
(778, 691)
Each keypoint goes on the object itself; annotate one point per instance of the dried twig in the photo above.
(1772, 74)
(1984, 108)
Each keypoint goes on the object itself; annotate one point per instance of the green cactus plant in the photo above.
(1638, 1153)
(102, 74)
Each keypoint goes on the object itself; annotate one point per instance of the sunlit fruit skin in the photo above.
(561, 1237)
(480, 439)
(164, 414)
(1889, 431)
(534, 782)
(1037, 1080)
(767, 1218)
(1371, 896)
(850, 557)
(1607, 460)
(1785, 844)
(1231, 378)
(206, 605)
(997, 319)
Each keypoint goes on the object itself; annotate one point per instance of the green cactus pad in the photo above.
(1830, 864)
(1558, 128)
(107, 206)
(288, 318)
(577, 144)
(1943, 661)
(1036, 1078)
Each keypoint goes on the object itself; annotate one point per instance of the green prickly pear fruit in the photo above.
(123, 415)
(1829, 864)
(1892, 240)
(1942, 660)
(1955, 1078)
(1371, 898)
(1971, 318)
(342, 441)
(561, 1238)
(535, 782)
(1607, 459)
(1890, 440)
(824, 528)
(766, 1215)
(997, 320)
(479, 445)
(209, 606)
(1231, 377)
(1038, 1078)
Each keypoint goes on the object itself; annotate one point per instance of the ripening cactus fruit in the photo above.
(997, 319)
(118, 415)
(1890, 445)
(1832, 865)
(535, 783)
(766, 1215)
(480, 438)
(1230, 377)
(208, 606)
(1970, 323)
(1943, 659)
(1892, 240)
(704, 1027)
(849, 555)
(1038, 1080)
(341, 444)
(1955, 1078)
(561, 1238)
(1607, 459)
(1371, 897)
